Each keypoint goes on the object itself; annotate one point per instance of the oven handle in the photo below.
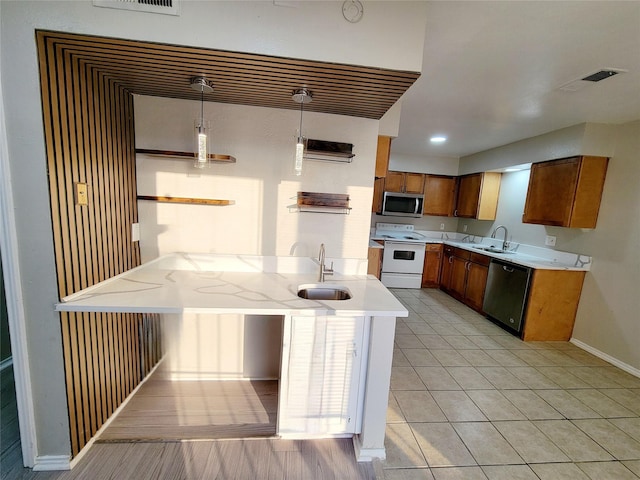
(415, 210)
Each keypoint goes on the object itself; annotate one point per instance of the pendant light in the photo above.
(202, 85)
(301, 96)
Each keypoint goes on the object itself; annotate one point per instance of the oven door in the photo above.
(403, 257)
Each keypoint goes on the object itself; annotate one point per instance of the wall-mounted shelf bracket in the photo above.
(320, 209)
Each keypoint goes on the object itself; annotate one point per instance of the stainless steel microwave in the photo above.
(402, 204)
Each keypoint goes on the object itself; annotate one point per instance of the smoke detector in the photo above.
(593, 77)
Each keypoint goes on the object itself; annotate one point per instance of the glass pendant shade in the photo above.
(202, 144)
(299, 155)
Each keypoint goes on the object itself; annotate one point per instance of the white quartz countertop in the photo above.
(522, 254)
(209, 283)
(560, 262)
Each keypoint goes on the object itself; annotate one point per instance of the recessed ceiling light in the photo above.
(438, 139)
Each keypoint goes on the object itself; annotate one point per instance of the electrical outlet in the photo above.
(550, 241)
(135, 232)
(442, 226)
(464, 228)
(82, 197)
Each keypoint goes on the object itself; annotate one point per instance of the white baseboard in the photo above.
(367, 454)
(6, 363)
(606, 357)
(44, 463)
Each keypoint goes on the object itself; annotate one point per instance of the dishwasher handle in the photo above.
(508, 269)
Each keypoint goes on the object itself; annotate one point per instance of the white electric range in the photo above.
(403, 257)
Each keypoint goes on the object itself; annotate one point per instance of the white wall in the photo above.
(607, 318)
(435, 165)
(313, 30)
(262, 182)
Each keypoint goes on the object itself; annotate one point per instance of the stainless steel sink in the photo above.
(494, 250)
(323, 292)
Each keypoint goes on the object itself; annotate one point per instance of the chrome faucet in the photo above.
(323, 271)
(505, 242)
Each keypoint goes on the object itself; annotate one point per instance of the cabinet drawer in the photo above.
(433, 247)
(479, 258)
(461, 253)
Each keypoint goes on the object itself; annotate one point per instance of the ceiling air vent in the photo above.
(579, 84)
(600, 75)
(167, 7)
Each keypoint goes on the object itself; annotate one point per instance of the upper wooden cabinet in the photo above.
(566, 192)
(478, 196)
(404, 182)
(439, 195)
(382, 156)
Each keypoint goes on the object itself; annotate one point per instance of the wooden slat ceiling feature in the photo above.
(163, 70)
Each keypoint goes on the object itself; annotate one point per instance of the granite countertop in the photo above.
(209, 283)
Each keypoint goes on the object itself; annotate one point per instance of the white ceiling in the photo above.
(491, 72)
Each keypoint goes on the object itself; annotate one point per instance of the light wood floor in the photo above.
(135, 445)
(250, 459)
(166, 410)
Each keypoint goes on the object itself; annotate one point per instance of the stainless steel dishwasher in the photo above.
(505, 297)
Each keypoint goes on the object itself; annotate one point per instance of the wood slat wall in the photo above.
(89, 133)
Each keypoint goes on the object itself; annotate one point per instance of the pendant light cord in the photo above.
(202, 107)
(301, 110)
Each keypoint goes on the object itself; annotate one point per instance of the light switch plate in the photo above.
(550, 241)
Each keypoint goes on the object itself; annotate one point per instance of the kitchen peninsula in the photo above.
(325, 343)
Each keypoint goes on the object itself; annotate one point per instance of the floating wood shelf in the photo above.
(213, 157)
(192, 201)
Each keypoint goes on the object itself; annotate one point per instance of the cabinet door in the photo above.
(468, 195)
(378, 193)
(382, 156)
(414, 183)
(320, 375)
(476, 283)
(458, 277)
(551, 192)
(432, 262)
(394, 182)
(445, 273)
(439, 195)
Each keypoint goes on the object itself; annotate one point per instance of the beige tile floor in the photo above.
(470, 401)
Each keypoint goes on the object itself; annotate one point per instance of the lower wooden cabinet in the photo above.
(464, 276)
(322, 358)
(432, 265)
(552, 305)
(374, 266)
(552, 302)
